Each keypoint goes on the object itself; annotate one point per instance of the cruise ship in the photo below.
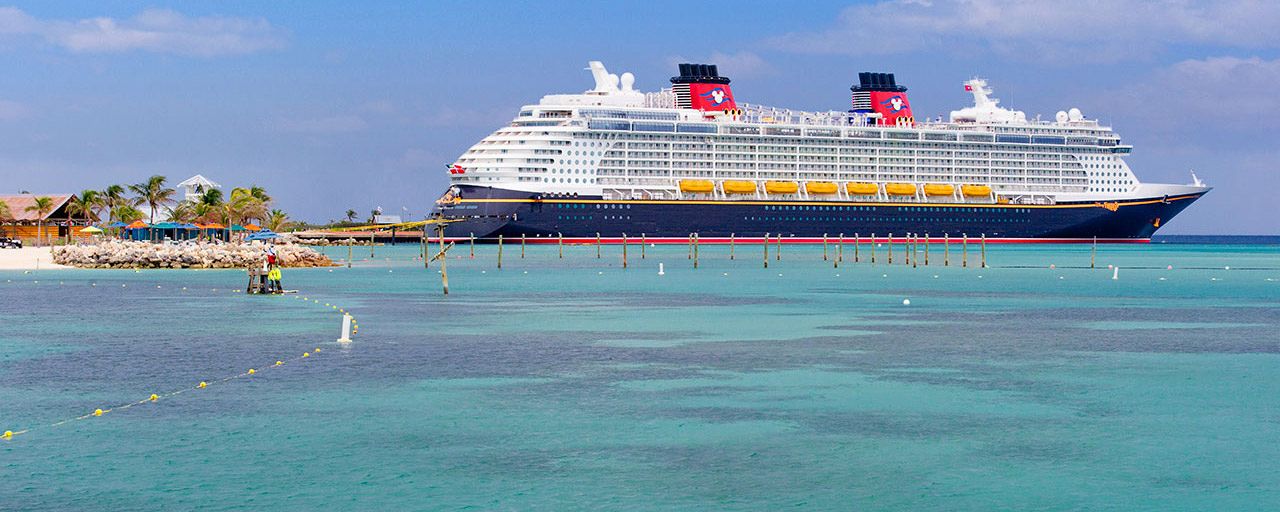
(614, 162)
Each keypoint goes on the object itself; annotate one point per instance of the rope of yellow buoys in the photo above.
(204, 384)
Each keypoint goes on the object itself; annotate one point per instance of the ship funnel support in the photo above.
(701, 87)
(880, 93)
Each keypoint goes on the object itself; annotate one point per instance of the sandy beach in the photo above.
(27, 258)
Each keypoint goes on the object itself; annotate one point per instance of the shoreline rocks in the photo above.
(131, 254)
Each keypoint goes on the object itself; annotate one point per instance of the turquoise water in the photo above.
(575, 384)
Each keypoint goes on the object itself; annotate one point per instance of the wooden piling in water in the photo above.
(1093, 253)
(890, 248)
(873, 248)
(766, 250)
(840, 248)
(624, 250)
(946, 249)
(643, 249)
(473, 246)
(371, 232)
(857, 241)
(731, 246)
(499, 252)
(521, 245)
(695, 250)
(984, 250)
(560, 242)
(778, 249)
(690, 257)
(597, 245)
(350, 242)
(824, 247)
(908, 249)
(926, 249)
(964, 250)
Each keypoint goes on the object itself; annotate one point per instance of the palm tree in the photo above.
(43, 206)
(114, 199)
(277, 220)
(260, 193)
(5, 214)
(153, 193)
(351, 215)
(128, 214)
(183, 212)
(83, 204)
(211, 197)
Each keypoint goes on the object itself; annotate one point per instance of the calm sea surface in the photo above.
(574, 384)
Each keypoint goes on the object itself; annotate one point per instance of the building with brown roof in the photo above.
(58, 223)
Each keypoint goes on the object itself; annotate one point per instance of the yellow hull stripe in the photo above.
(825, 203)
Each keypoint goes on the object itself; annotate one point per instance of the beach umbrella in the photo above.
(237, 227)
(214, 225)
(117, 224)
(137, 224)
(93, 230)
(252, 227)
(265, 234)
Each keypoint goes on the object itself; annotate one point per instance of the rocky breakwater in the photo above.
(127, 254)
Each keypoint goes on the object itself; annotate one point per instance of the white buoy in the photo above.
(662, 269)
(1226, 267)
(346, 329)
(906, 302)
(1115, 274)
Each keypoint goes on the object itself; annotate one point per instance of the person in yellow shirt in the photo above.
(273, 280)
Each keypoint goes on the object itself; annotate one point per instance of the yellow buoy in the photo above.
(202, 385)
(8, 434)
(861, 188)
(781, 187)
(252, 371)
(306, 354)
(316, 350)
(154, 397)
(97, 412)
(278, 363)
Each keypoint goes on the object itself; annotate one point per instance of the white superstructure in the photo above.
(616, 142)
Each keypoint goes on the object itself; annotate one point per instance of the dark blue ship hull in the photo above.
(486, 213)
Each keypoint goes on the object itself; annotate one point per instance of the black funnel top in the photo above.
(877, 82)
(699, 73)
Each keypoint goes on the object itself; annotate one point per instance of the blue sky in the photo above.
(337, 105)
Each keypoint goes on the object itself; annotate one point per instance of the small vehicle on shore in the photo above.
(10, 243)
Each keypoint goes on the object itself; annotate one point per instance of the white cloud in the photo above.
(1085, 30)
(1230, 94)
(12, 110)
(742, 63)
(321, 125)
(152, 30)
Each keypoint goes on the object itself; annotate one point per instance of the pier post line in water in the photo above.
(907, 249)
(984, 250)
(731, 246)
(778, 249)
(499, 252)
(521, 245)
(560, 243)
(964, 250)
(371, 232)
(695, 250)
(444, 260)
(1093, 254)
(766, 250)
(946, 250)
(597, 245)
(873, 248)
(473, 246)
(840, 248)
(926, 249)
(642, 244)
(890, 248)
(824, 247)
(690, 257)
(350, 242)
(857, 241)
(624, 250)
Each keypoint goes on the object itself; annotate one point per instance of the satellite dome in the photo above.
(628, 80)
(1061, 116)
(1074, 114)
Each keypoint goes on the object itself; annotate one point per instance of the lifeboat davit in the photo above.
(976, 190)
(900, 189)
(857, 188)
(939, 189)
(697, 186)
(738, 187)
(820, 187)
(781, 187)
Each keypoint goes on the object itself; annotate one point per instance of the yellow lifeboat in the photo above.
(697, 186)
(938, 189)
(976, 190)
(900, 189)
(820, 187)
(857, 188)
(738, 187)
(781, 187)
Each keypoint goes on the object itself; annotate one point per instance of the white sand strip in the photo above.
(27, 258)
